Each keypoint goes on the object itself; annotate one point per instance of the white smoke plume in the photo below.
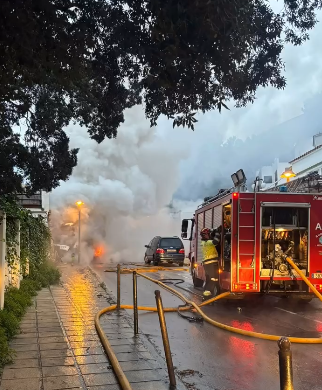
(125, 184)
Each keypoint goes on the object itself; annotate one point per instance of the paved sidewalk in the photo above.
(58, 347)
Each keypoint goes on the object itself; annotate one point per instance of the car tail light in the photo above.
(181, 251)
(318, 287)
(160, 251)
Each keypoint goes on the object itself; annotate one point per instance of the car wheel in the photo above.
(146, 260)
(196, 281)
(155, 262)
(180, 264)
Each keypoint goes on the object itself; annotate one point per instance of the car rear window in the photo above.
(171, 242)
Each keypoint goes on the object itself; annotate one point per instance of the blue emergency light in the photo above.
(283, 188)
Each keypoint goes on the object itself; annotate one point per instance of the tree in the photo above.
(87, 61)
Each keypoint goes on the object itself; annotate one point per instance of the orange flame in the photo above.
(98, 251)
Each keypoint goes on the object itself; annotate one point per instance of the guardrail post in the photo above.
(118, 302)
(135, 304)
(285, 362)
(165, 339)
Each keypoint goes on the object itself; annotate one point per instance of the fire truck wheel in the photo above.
(146, 260)
(197, 282)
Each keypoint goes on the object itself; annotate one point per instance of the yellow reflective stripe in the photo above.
(210, 261)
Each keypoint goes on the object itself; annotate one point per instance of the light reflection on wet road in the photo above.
(226, 361)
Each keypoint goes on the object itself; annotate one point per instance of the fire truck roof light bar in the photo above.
(282, 204)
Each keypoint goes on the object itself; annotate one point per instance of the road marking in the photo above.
(296, 314)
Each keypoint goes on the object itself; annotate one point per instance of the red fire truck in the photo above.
(258, 229)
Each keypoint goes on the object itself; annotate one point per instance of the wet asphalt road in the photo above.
(210, 358)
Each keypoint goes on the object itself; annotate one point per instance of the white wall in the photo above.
(45, 198)
(306, 164)
(301, 167)
(269, 170)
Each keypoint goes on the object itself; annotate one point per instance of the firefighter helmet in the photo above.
(205, 231)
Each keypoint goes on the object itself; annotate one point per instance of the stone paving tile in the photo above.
(50, 334)
(18, 384)
(23, 341)
(20, 373)
(59, 371)
(26, 348)
(90, 337)
(106, 378)
(139, 365)
(129, 348)
(85, 343)
(23, 335)
(52, 339)
(150, 386)
(95, 368)
(92, 359)
(57, 361)
(105, 387)
(88, 351)
(47, 346)
(126, 357)
(24, 363)
(27, 355)
(120, 336)
(62, 382)
(55, 353)
(144, 376)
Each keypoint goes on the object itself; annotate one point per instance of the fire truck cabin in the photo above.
(259, 230)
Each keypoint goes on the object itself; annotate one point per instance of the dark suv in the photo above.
(165, 250)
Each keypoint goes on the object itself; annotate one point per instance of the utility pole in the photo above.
(79, 203)
(79, 234)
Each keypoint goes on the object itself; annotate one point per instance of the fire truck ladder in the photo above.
(246, 241)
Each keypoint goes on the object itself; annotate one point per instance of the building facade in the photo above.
(38, 204)
(307, 162)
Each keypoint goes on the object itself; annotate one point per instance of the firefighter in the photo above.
(209, 240)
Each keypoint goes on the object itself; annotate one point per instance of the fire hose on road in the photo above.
(193, 306)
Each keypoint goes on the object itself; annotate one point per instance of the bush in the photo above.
(16, 303)
(9, 323)
(6, 354)
(45, 275)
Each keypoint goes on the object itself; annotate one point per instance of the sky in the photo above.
(127, 182)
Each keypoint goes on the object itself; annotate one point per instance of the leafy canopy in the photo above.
(88, 60)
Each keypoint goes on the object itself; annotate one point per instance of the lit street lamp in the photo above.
(287, 174)
(79, 204)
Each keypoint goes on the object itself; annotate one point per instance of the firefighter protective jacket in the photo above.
(209, 251)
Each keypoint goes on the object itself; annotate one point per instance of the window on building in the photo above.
(268, 179)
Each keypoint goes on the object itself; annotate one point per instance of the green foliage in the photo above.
(35, 247)
(6, 353)
(17, 302)
(87, 61)
(45, 275)
(34, 235)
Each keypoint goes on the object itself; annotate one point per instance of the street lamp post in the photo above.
(79, 203)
